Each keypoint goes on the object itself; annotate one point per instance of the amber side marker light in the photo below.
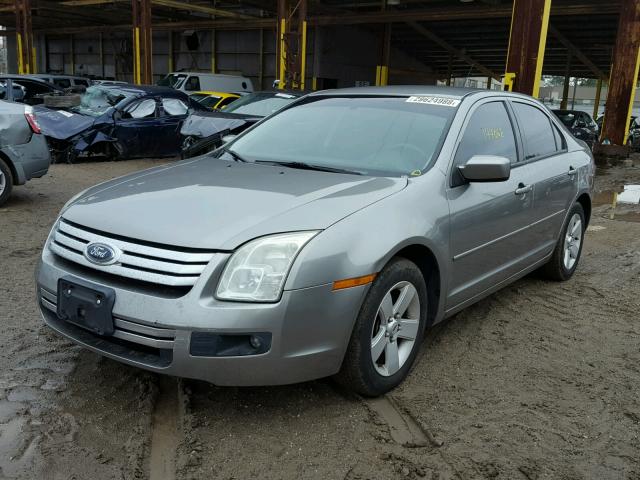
(353, 282)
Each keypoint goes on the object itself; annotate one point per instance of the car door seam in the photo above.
(504, 237)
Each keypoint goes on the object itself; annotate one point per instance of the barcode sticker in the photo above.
(442, 101)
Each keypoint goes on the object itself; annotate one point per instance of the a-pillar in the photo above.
(624, 74)
(527, 41)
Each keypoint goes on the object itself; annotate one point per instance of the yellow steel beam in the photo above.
(303, 60)
(633, 95)
(541, 48)
(283, 53)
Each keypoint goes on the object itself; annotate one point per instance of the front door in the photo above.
(136, 129)
(173, 112)
(489, 241)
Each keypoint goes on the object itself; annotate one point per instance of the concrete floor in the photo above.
(541, 380)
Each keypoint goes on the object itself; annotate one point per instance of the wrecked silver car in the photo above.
(23, 149)
(118, 122)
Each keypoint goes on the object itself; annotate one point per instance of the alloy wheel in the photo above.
(3, 182)
(572, 241)
(395, 328)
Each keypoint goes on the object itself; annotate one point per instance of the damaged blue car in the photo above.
(118, 122)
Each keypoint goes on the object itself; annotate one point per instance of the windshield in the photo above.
(260, 104)
(96, 100)
(172, 80)
(386, 136)
(566, 118)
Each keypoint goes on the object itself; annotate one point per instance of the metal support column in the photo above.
(142, 54)
(527, 42)
(26, 52)
(292, 43)
(624, 74)
(382, 70)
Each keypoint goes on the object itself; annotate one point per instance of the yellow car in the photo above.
(214, 100)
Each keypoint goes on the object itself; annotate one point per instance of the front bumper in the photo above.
(310, 327)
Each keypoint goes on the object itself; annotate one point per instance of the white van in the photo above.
(199, 81)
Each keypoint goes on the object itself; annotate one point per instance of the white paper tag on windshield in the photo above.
(284, 95)
(442, 101)
(66, 114)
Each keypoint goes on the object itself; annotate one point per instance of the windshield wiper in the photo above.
(309, 166)
(236, 156)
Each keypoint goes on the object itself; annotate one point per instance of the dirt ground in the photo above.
(541, 380)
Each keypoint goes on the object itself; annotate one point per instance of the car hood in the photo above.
(205, 124)
(215, 204)
(60, 124)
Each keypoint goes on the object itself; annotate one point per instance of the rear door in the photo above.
(553, 171)
(489, 241)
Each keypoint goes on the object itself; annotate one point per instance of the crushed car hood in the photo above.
(205, 124)
(214, 204)
(60, 124)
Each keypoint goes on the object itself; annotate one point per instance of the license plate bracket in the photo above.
(86, 305)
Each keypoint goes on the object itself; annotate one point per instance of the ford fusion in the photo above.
(323, 241)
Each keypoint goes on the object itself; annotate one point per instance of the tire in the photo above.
(359, 372)
(62, 101)
(558, 268)
(6, 182)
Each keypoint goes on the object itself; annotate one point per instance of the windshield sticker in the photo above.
(284, 95)
(66, 114)
(442, 101)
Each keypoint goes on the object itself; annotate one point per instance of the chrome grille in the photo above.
(124, 329)
(162, 266)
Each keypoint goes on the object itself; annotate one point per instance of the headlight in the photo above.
(257, 271)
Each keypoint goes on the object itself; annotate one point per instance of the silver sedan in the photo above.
(324, 240)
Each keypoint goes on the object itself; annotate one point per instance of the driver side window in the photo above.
(141, 109)
(489, 132)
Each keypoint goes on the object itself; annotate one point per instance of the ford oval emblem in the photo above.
(101, 254)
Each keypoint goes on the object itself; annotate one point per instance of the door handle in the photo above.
(572, 171)
(522, 189)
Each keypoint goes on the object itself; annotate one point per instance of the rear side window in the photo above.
(62, 82)
(193, 83)
(538, 134)
(226, 101)
(489, 132)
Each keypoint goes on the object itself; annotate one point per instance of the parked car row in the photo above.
(322, 241)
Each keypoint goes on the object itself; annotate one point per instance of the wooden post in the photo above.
(527, 41)
(624, 74)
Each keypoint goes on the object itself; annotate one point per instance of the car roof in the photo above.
(405, 90)
(146, 90)
(55, 75)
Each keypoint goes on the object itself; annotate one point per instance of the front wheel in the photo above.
(564, 261)
(388, 331)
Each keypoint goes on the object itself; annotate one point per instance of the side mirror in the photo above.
(228, 138)
(486, 168)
